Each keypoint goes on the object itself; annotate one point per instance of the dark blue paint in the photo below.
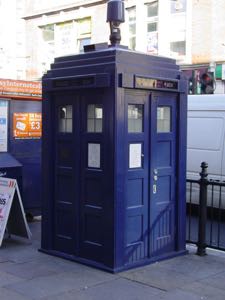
(28, 153)
(11, 168)
(109, 217)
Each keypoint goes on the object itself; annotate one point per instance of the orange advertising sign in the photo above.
(27, 125)
(20, 89)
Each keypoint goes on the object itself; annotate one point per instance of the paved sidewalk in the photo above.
(26, 274)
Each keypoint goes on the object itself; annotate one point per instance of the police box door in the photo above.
(81, 182)
(66, 177)
(162, 173)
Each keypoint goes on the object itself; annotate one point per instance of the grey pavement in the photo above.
(26, 274)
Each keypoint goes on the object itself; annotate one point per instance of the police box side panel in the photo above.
(205, 142)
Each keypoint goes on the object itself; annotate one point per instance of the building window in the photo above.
(84, 33)
(178, 29)
(152, 9)
(132, 27)
(177, 6)
(48, 46)
(82, 43)
(152, 27)
(63, 39)
(178, 47)
(48, 33)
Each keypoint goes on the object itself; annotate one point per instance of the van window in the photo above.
(205, 133)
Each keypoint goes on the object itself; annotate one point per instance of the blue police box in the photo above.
(114, 159)
(114, 155)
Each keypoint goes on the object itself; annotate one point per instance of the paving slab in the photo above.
(6, 278)
(205, 291)
(118, 289)
(6, 294)
(26, 273)
(28, 270)
(41, 287)
(217, 281)
(159, 277)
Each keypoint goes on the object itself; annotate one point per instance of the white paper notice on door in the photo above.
(135, 155)
(94, 155)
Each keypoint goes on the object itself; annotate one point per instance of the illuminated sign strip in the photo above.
(155, 83)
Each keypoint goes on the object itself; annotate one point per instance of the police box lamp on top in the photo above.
(115, 16)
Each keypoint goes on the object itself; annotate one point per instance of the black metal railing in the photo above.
(205, 224)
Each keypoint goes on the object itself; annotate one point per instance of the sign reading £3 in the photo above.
(27, 125)
(12, 215)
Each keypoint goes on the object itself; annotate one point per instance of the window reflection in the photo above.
(94, 118)
(66, 119)
(135, 118)
(163, 119)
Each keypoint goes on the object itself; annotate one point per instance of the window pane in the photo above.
(135, 118)
(69, 125)
(163, 119)
(132, 28)
(48, 33)
(98, 126)
(90, 125)
(82, 43)
(132, 43)
(152, 27)
(177, 6)
(152, 9)
(62, 125)
(69, 111)
(91, 111)
(65, 118)
(98, 112)
(84, 26)
(132, 14)
(94, 118)
(178, 47)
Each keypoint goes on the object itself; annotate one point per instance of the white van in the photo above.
(206, 138)
(206, 135)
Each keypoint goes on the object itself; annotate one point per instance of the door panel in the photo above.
(136, 180)
(162, 174)
(66, 173)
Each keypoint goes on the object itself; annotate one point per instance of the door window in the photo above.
(94, 118)
(163, 119)
(65, 119)
(135, 118)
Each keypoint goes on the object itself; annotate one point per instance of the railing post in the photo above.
(202, 210)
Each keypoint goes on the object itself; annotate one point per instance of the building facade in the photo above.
(190, 31)
(12, 39)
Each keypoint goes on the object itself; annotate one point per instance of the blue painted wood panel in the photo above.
(163, 176)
